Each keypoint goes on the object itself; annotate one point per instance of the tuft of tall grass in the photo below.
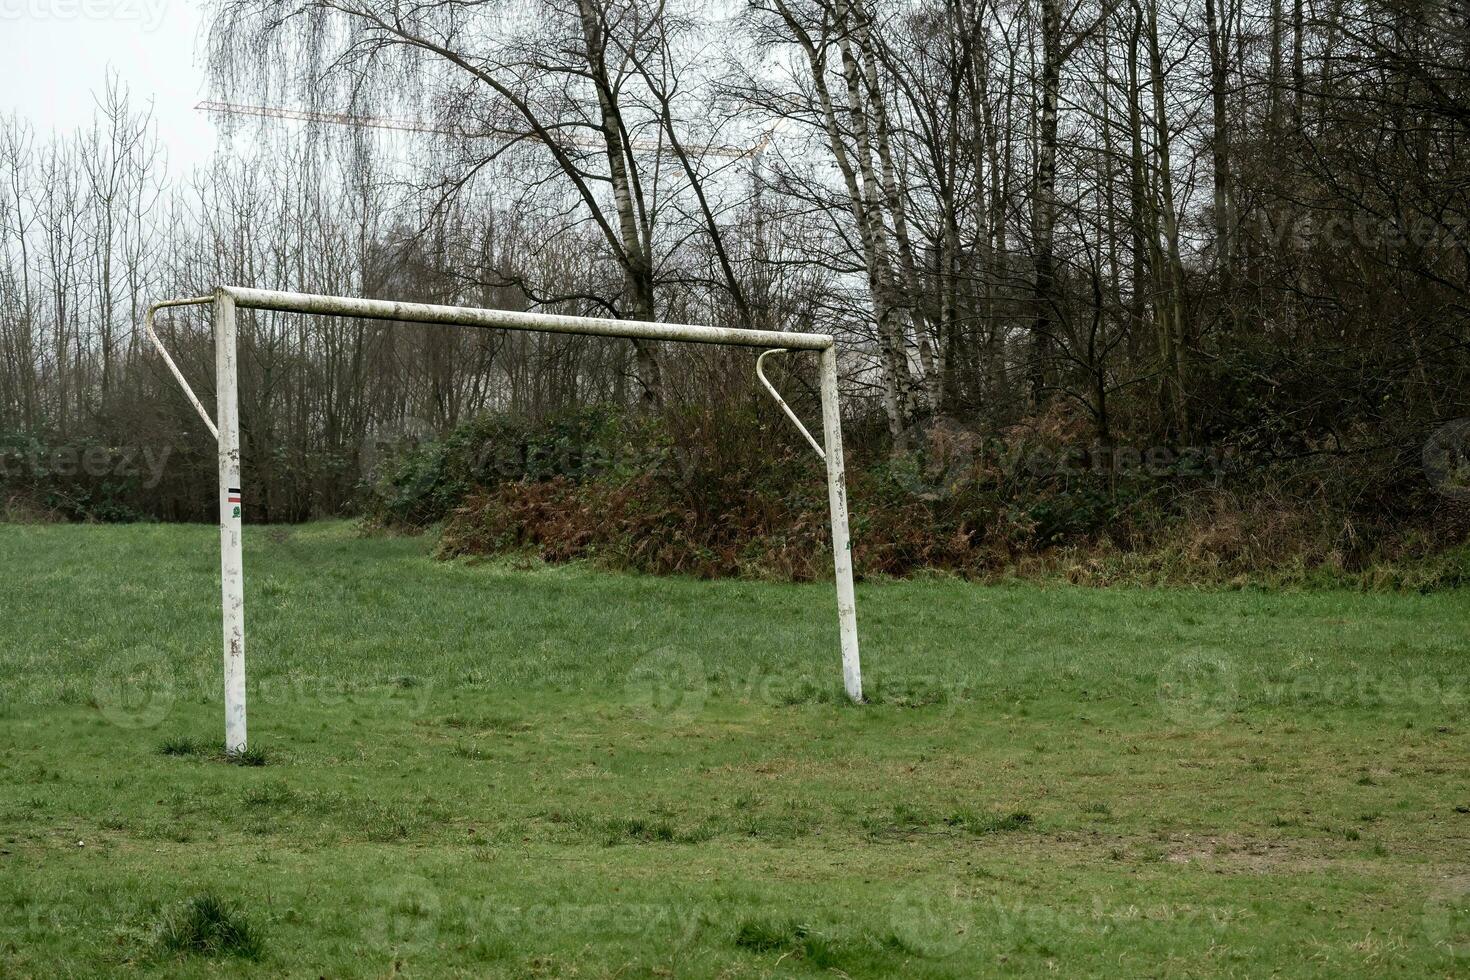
(211, 927)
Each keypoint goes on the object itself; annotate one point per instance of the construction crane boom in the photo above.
(419, 126)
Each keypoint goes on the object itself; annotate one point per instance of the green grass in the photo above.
(492, 770)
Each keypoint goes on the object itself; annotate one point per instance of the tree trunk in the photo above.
(1044, 203)
(635, 257)
(1220, 161)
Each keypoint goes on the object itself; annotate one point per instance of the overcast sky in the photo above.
(55, 53)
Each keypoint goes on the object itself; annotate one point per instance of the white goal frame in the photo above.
(226, 430)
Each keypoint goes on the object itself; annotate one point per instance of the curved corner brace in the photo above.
(759, 373)
(179, 375)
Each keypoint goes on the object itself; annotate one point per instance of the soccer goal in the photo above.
(226, 429)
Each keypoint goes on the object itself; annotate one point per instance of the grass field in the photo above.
(491, 770)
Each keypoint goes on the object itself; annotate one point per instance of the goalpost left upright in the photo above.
(231, 543)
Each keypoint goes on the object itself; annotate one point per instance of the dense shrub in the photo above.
(425, 483)
(726, 493)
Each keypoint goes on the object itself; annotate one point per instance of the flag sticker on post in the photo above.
(234, 496)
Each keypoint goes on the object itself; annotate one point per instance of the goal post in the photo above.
(226, 300)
